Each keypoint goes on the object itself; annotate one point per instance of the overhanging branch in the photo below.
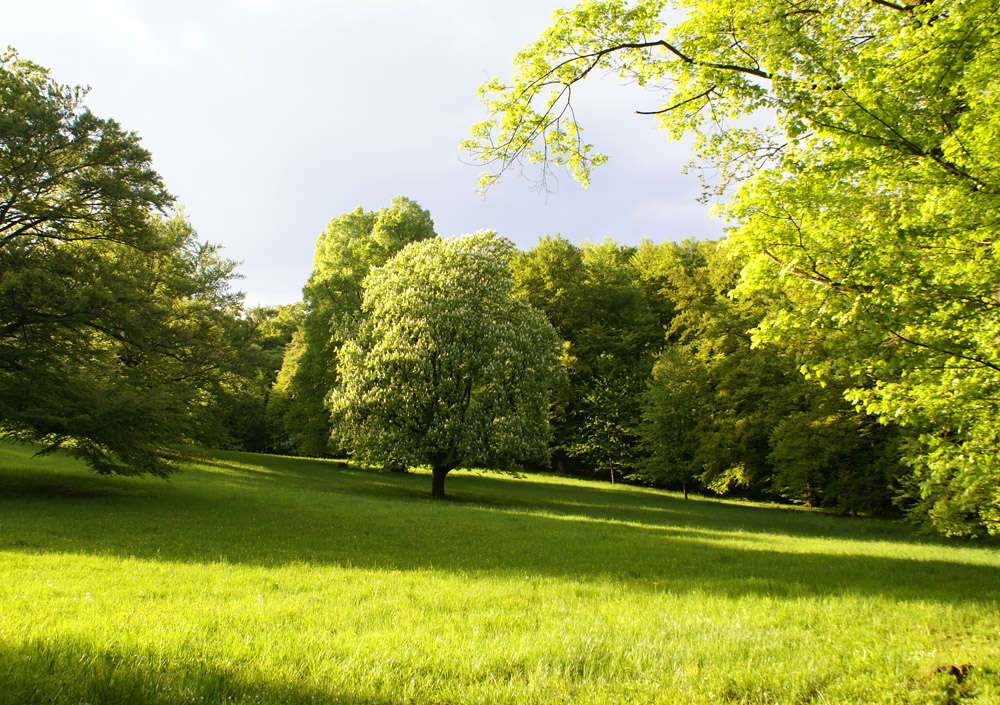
(816, 277)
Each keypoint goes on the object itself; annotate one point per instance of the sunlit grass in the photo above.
(261, 579)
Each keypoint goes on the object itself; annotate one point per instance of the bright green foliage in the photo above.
(115, 324)
(871, 201)
(448, 367)
(350, 246)
(279, 402)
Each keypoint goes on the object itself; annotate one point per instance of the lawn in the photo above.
(263, 579)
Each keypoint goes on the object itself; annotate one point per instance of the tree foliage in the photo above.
(447, 367)
(870, 200)
(593, 296)
(115, 323)
(68, 176)
(116, 353)
(350, 246)
(722, 414)
(241, 408)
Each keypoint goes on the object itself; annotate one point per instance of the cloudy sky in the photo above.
(266, 118)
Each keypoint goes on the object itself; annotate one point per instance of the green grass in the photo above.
(274, 580)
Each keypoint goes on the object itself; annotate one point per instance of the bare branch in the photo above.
(677, 105)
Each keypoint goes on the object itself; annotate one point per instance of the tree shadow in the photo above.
(70, 671)
(618, 502)
(266, 512)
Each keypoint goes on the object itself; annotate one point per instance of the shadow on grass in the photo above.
(270, 511)
(69, 672)
(72, 671)
(592, 500)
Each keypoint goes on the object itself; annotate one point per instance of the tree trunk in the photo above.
(685, 491)
(437, 486)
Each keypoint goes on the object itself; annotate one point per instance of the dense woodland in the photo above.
(662, 384)
(838, 349)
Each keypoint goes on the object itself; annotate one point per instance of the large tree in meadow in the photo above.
(871, 199)
(349, 247)
(447, 367)
(115, 323)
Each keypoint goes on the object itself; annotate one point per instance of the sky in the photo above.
(267, 118)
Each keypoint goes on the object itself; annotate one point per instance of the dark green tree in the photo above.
(722, 414)
(263, 333)
(594, 297)
(130, 350)
(114, 322)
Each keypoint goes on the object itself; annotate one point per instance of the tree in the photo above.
(675, 406)
(593, 296)
(870, 200)
(447, 367)
(348, 248)
(114, 322)
(67, 175)
(118, 353)
(726, 415)
(263, 335)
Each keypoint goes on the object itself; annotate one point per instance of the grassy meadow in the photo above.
(255, 579)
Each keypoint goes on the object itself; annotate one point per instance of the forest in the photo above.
(837, 349)
(661, 386)
(655, 379)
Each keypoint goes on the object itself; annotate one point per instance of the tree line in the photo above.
(838, 348)
(660, 382)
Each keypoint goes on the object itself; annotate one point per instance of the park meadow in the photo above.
(264, 579)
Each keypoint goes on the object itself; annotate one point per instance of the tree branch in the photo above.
(819, 278)
(891, 5)
(705, 94)
(951, 353)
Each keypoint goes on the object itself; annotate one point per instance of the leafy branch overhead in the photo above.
(859, 140)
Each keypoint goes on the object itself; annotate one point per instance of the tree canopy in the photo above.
(722, 414)
(860, 140)
(350, 246)
(447, 366)
(115, 322)
(593, 296)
